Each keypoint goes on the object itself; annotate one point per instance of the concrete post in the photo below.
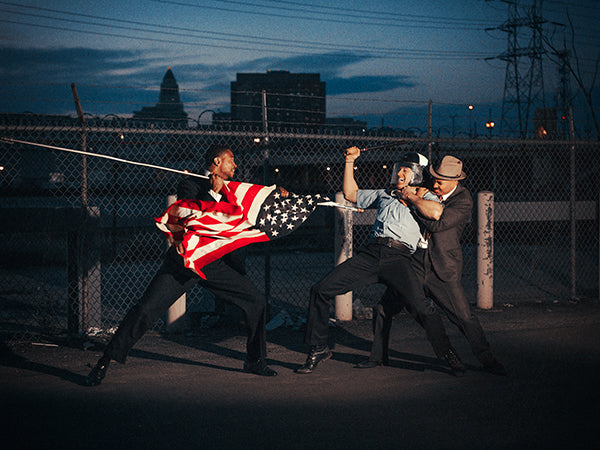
(485, 250)
(176, 311)
(343, 249)
(84, 274)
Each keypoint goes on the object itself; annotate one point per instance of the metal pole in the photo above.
(266, 180)
(429, 129)
(83, 247)
(83, 145)
(573, 205)
(485, 250)
(112, 158)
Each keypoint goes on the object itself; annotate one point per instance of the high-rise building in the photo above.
(291, 100)
(169, 109)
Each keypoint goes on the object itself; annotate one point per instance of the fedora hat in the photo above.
(449, 169)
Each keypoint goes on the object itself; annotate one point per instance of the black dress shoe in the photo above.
(368, 364)
(315, 356)
(491, 364)
(98, 373)
(456, 365)
(259, 368)
(495, 367)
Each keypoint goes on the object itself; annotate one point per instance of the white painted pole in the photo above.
(485, 250)
(343, 248)
(176, 311)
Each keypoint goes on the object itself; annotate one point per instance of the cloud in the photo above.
(326, 64)
(122, 81)
(57, 65)
(353, 85)
(108, 81)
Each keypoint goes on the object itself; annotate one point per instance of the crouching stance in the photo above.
(386, 258)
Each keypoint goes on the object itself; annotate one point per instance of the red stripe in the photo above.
(216, 228)
(198, 263)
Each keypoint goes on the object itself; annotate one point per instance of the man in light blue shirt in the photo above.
(394, 219)
(385, 259)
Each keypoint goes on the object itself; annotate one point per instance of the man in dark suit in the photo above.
(386, 258)
(225, 278)
(438, 263)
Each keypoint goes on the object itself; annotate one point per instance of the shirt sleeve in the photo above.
(431, 196)
(366, 197)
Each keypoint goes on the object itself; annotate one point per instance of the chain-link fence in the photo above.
(79, 244)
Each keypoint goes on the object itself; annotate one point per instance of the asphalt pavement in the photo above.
(188, 390)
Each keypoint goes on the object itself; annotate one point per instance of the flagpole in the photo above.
(382, 146)
(339, 205)
(112, 158)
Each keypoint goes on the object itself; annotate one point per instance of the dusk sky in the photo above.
(381, 61)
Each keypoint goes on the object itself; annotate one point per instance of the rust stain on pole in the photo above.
(485, 250)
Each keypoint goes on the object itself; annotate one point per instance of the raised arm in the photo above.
(350, 187)
(458, 213)
(429, 209)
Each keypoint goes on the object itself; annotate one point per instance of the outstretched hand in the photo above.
(352, 153)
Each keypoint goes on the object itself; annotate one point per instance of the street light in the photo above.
(470, 108)
(490, 123)
(490, 126)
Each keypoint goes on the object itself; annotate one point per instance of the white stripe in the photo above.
(258, 202)
(217, 244)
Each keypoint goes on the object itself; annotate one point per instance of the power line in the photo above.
(423, 21)
(343, 12)
(385, 54)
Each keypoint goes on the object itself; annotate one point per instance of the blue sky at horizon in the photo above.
(382, 61)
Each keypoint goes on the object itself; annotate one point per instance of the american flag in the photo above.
(280, 216)
(251, 213)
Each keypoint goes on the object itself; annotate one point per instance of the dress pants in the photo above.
(374, 263)
(448, 296)
(171, 281)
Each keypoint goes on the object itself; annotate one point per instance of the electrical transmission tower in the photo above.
(564, 91)
(524, 79)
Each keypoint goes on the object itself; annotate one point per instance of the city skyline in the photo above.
(380, 63)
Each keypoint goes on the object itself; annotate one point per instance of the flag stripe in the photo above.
(209, 230)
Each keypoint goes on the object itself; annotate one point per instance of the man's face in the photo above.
(404, 176)
(225, 165)
(442, 187)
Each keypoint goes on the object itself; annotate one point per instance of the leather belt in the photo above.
(389, 242)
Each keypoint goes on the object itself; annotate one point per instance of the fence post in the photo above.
(429, 129)
(176, 311)
(343, 251)
(266, 182)
(84, 274)
(485, 250)
(572, 200)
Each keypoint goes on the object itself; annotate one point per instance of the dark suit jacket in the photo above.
(444, 249)
(198, 188)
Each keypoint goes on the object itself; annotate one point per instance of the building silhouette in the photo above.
(169, 109)
(291, 100)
